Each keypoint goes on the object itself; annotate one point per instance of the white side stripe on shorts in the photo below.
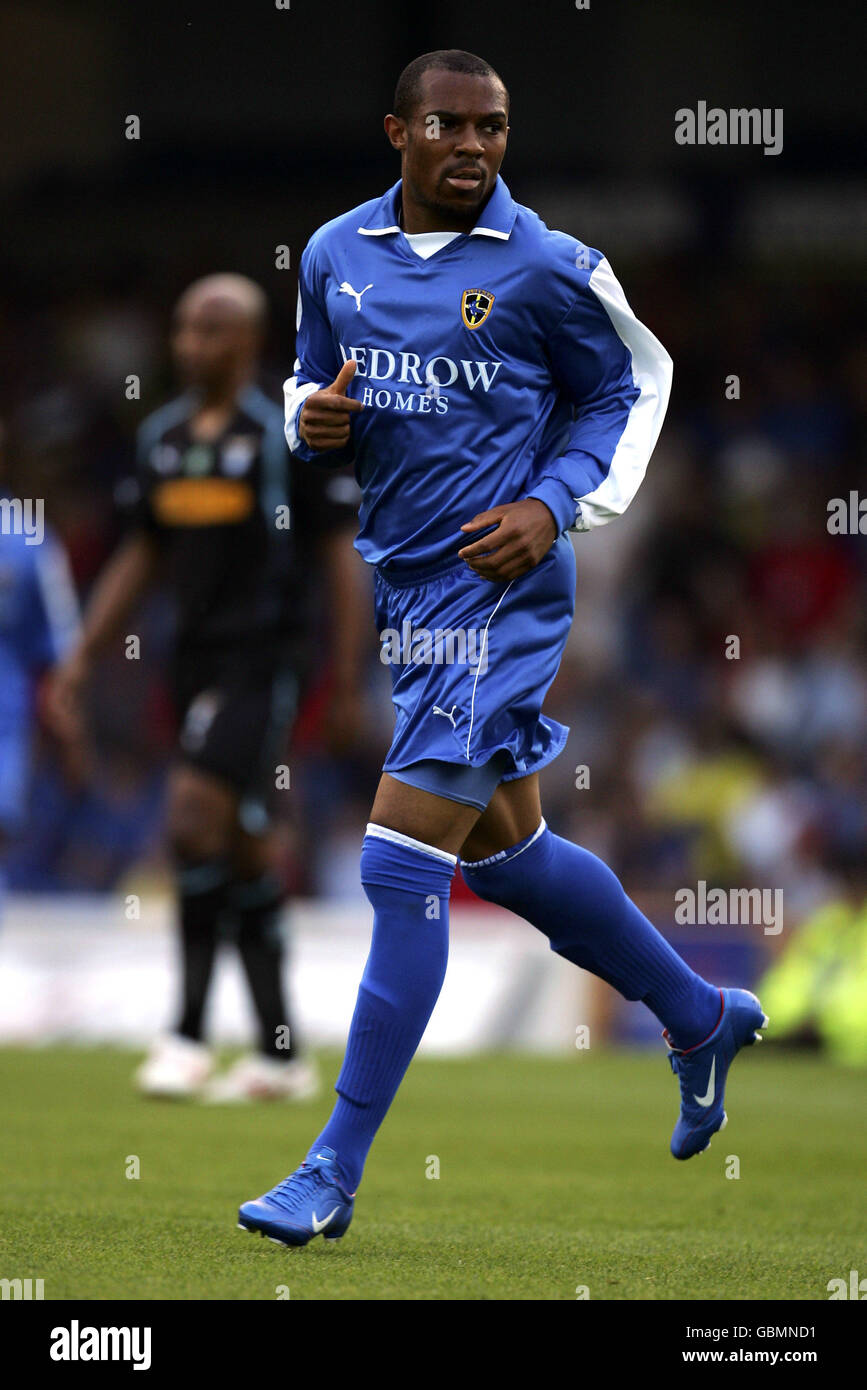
(479, 665)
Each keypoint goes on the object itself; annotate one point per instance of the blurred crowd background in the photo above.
(740, 762)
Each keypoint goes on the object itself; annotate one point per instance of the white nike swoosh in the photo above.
(320, 1225)
(707, 1098)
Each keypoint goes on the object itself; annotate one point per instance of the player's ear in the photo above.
(395, 129)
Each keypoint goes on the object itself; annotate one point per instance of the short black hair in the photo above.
(407, 93)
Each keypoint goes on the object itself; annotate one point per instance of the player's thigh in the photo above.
(253, 854)
(434, 820)
(513, 813)
(202, 813)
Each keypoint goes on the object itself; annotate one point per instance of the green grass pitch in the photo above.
(554, 1174)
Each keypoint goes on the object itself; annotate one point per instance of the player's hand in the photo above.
(60, 705)
(525, 532)
(323, 422)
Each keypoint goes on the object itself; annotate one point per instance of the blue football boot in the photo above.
(702, 1071)
(312, 1201)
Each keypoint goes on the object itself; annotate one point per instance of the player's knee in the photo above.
(397, 861)
(512, 876)
(412, 870)
(194, 840)
(190, 847)
(487, 884)
(198, 829)
(252, 857)
(520, 881)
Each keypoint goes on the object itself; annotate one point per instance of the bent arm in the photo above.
(127, 576)
(618, 377)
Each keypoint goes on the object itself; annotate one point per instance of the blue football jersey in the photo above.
(38, 614)
(506, 365)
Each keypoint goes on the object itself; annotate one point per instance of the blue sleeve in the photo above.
(617, 377)
(53, 603)
(317, 362)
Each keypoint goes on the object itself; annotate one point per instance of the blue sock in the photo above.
(408, 885)
(578, 903)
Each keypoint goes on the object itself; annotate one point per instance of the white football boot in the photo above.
(264, 1078)
(174, 1067)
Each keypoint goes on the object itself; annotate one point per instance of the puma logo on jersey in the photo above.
(346, 288)
(447, 714)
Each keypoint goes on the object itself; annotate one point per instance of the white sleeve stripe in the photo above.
(294, 396)
(652, 372)
(59, 598)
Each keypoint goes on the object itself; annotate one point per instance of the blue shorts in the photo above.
(471, 663)
(474, 786)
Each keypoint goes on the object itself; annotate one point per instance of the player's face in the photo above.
(454, 144)
(209, 340)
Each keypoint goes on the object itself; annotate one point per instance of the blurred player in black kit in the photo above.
(237, 536)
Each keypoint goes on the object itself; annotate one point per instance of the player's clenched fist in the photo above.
(525, 532)
(324, 420)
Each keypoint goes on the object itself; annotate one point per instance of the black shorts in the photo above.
(235, 709)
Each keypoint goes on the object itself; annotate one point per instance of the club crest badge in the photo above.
(198, 460)
(238, 454)
(475, 307)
